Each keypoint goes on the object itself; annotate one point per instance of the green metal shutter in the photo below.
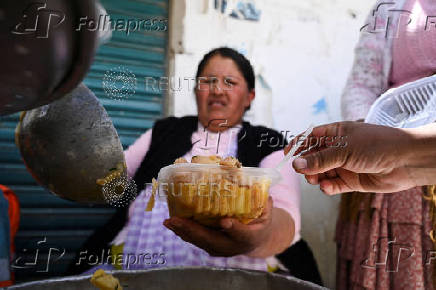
(64, 224)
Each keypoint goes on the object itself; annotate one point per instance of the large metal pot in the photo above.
(43, 54)
(181, 279)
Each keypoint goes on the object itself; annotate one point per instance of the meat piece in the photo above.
(104, 281)
(231, 162)
(214, 159)
(180, 160)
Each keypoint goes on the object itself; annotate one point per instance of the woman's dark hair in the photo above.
(241, 62)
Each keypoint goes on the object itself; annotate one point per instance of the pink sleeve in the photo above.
(136, 152)
(368, 78)
(133, 156)
(286, 193)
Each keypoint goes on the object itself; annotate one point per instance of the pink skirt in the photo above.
(390, 248)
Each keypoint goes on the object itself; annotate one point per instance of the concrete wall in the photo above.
(302, 52)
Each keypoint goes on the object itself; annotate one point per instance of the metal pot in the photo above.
(182, 279)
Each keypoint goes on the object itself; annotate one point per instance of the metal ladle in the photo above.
(69, 144)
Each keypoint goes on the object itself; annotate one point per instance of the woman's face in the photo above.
(222, 94)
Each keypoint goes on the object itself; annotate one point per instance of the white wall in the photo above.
(304, 51)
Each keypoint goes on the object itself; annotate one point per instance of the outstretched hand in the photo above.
(372, 159)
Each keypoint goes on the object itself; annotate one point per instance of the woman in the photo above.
(224, 92)
(373, 227)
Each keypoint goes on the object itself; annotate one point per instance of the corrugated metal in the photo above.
(65, 224)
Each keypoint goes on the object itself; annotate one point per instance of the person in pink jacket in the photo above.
(397, 45)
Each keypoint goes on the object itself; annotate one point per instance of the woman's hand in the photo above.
(373, 158)
(234, 237)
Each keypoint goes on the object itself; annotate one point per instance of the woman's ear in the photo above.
(250, 97)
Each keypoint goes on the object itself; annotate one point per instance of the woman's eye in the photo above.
(209, 80)
(229, 82)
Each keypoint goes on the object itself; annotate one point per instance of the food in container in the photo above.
(104, 281)
(210, 188)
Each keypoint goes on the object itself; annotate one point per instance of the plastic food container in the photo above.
(208, 192)
(408, 106)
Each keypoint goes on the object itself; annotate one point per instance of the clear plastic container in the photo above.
(408, 106)
(208, 192)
